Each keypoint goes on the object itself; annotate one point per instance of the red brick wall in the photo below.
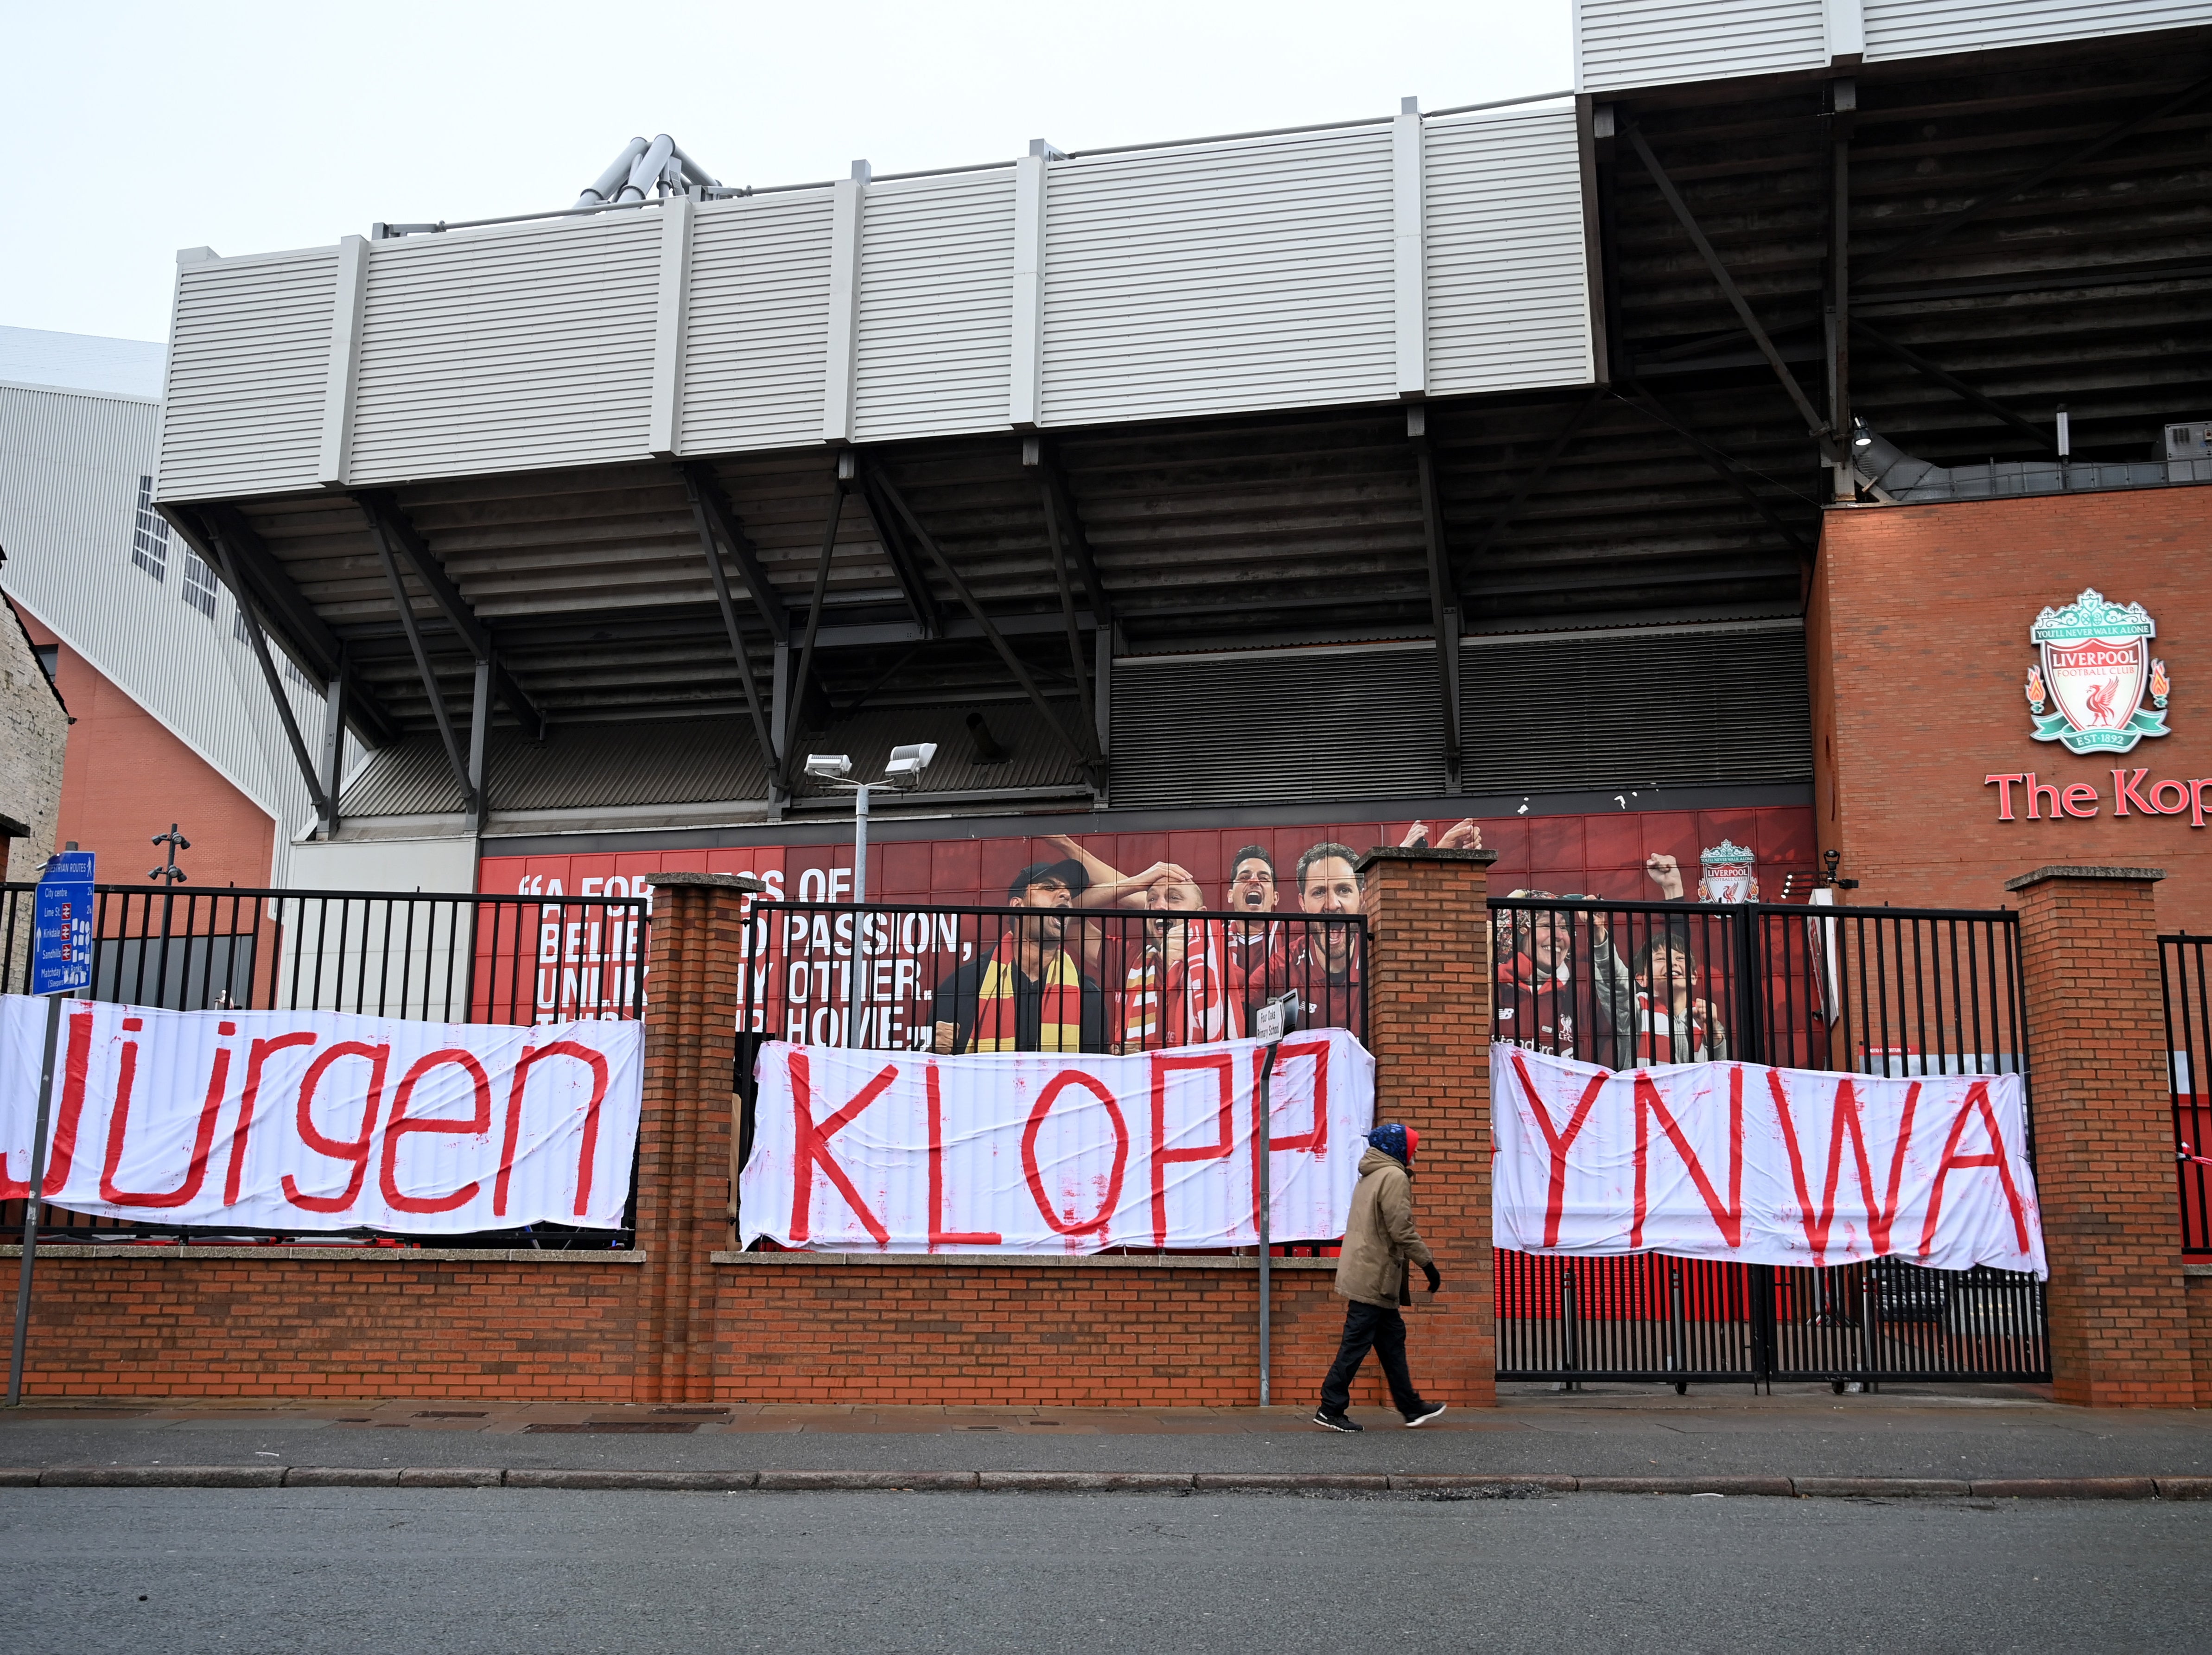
(2104, 1156)
(348, 1324)
(126, 779)
(1918, 642)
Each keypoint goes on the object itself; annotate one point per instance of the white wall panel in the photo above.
(247, 371)
(1629, 43)
(1256, 275)
(1913, 28)
(936, 305)
(757, 340)
(492, 351)
(1507, 278)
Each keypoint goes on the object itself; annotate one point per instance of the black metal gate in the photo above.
(2181, 973)
(1886, 991)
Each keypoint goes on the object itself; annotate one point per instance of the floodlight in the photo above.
(909, 762)
(828, 766)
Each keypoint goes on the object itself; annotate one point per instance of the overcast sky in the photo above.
(140, 129)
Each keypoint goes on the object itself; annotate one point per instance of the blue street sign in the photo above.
(61, 935)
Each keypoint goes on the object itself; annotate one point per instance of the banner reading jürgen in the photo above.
(877, 1151)
(291, 1121)
(1761, 1166)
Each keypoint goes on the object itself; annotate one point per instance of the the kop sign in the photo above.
(2094, 672)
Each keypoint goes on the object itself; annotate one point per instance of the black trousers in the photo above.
(1382, 1330)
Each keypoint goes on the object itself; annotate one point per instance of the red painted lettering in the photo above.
(1111, 1198)
(2081, 799)
(938, 1235)
(256, 1054)
(1728, 1216)
(2124, 793)
(1847, 1121)
(2198, 787)
(2158, 797)
(2004, 785)
(354, 1151)
(1558, 1143)
(1977, 1101)
(1315, 1141)
(1164, 1064)
(62, 1148)
(2039, 790)
(587, 1153)
(119, 1124)
(479, 1121)
(811, 1149)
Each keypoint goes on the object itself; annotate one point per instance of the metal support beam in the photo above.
(1842, 113)
(913, 586)
(265, 591)
(333, 767)
(479, 735)
(1813, 422)
(1504, 518)
(789, 729)
(737, 638)
(1070, 525)
(1085, 749)
(1724, 465)
(2014, 188)
(1056, 537)
(707, 494)
(219, 541)
(385, 519)
(1956, 386)
(405, 604)
(1444, 591)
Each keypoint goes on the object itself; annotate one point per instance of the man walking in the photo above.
(1380, 1243)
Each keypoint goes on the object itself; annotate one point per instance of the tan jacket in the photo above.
(1380, 1238)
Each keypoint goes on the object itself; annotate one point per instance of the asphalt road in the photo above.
(549, 1573)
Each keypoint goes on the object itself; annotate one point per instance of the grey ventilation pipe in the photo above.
(643, 166)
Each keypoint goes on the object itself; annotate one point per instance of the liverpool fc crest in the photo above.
(2096, 666)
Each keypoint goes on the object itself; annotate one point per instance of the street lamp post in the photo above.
(901, 775)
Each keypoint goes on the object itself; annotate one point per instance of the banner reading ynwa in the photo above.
(1761, 1166)
(289, 1120)
(865, 1150)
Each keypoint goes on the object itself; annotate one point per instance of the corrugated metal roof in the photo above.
(82, 362)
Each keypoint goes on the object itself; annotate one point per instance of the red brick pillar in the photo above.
(1428, 1024)
(2103, 1136)
(683, 1141)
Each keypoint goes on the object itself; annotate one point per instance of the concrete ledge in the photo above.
(1422, 854)
(1879, 1487)
(2196, 1269)
(1781, 1486)
(725, 881)
(2065, 1488)
(1467, 1485)
(706, 1481)
(151, 1252)
(799, 1480)
(1031, 1261)
(2064, 872)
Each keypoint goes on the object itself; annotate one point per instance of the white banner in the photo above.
(1761, 1166)
(317, 1121)
(1042, 1153)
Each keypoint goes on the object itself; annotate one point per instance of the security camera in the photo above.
(830, 767)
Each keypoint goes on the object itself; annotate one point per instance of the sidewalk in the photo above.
(1967, 1433)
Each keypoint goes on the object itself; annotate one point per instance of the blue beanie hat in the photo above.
(1390, 1140)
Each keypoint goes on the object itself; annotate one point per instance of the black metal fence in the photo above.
(1884, 991)
(444, 958)
(889, 978)
(2181, 969)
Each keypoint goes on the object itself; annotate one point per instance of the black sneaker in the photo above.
(1335, 1421)
(1424, 1414)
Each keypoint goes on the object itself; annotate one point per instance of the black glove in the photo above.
(1435, 1281)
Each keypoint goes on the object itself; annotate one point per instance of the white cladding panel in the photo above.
(246, 372)
(1507, 279)
(508, 350)
(70, 468)
(1256, 275)
(1626, 43)
(1915, 28)
(936, 305)
(756, 350)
